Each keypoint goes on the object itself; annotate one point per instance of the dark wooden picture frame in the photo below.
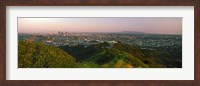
(4, 3)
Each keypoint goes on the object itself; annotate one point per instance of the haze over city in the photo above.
(153, 25)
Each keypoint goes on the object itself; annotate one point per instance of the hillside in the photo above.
(37, 55)
(117, 55)
(114, 58)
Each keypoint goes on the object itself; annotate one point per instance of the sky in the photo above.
(154, 25)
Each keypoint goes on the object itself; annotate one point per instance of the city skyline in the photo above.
(152, 25)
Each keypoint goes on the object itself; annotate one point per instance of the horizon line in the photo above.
(136, 32)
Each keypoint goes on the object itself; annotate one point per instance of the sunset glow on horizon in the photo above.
(154, 25)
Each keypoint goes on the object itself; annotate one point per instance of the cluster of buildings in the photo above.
(87, 39)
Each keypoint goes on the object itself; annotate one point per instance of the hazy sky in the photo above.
(157, 25)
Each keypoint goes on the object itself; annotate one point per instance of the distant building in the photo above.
(49, 41)
(61, 33)
(66, 33)
(112, 42)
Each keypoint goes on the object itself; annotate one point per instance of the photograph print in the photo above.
(99, 42)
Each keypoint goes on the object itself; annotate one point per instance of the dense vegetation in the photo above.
(37, 55)
(104, 55)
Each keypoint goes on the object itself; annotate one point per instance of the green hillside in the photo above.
(114, 58)
(37, 55)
